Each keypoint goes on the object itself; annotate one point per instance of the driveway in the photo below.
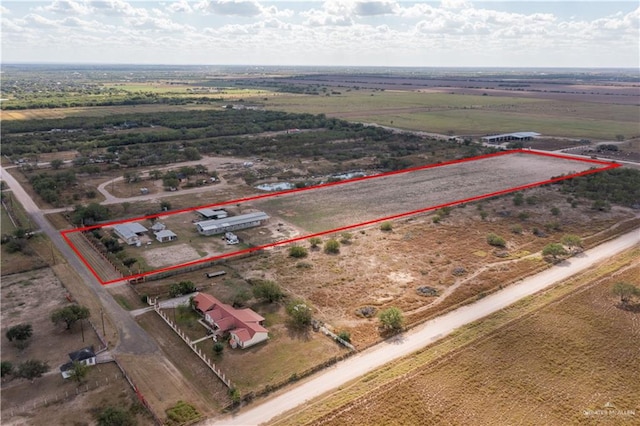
(423, 335)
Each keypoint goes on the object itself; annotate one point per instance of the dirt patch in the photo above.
(383, 269)
(64, 402)
(31, 297)
(177, 254)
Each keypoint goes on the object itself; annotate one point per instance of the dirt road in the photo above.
(425, 334)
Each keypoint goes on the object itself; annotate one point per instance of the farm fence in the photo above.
(59, 396)
(141, 397)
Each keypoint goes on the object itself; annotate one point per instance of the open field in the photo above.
(57, 402)
(350, 204)
(361, 201)
(552, 358)
(31, 297)
(381, 269)
(466, 114)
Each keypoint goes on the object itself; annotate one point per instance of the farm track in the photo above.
(100, 265)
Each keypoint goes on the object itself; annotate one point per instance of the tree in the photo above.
(268, 290)
(56, 163)
(78, 371)
(626, 291)
(315, 241)
(391, 319)
(298, 252)
(6, 368)
(112, 416)
(129, 261)
(218, 347)
(70, 314)
(572, 241)
(183, 287)
(332, 246)
(21, 334)
(300, 313)
(554, 250)
(32, 369)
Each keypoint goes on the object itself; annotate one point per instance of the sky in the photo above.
(447, 33)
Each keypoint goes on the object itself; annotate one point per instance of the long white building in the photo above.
(233, 223)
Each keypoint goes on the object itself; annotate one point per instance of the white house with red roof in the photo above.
(244, 325)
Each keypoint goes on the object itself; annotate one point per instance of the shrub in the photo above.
(344, 335)
(555, 211)
(113, 416)
(386, 226)
(345, 237)
(315, 241)
(332, 246)
(516, 229)
(300, 313)
(496, 240)
(267, 290)
(391, 319)
(298, 252)
(218, 347)
(182, 412)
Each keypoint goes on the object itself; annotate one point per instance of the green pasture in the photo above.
(471, 114)
(354, 101)
(478, 122)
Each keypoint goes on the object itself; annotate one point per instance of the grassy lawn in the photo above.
(286, 355)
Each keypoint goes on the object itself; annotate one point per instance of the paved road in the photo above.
(425, 334)
(133, 339)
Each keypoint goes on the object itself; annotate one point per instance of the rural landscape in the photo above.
(217, 245)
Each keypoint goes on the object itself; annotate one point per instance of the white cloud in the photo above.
(372, 8)
(67, 7)
(245, 8)
(180, 6)
(117, 8)
(4, 11)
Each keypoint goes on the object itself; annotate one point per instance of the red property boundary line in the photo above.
(608, 166)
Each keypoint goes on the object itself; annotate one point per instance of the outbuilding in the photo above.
(220, 226)
(129, 232)
(165, 236)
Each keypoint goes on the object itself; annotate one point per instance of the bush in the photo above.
(332, 246)
(267, 290)
(182, 412)
(315, 241)
(391, 319)
(345, 237)
(516, 229)
(300, 313)
(218, 347)
(496, 240)
(6, 368)
(181, 288)
(298, 252)
(344, 335)
(386, 226)
(113, 416)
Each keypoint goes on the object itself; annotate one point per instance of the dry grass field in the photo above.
(554, 358)
(382, 269)
(31, 297)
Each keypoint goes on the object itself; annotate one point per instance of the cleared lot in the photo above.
(356, 202)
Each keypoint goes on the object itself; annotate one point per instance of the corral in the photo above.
(344, 205)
